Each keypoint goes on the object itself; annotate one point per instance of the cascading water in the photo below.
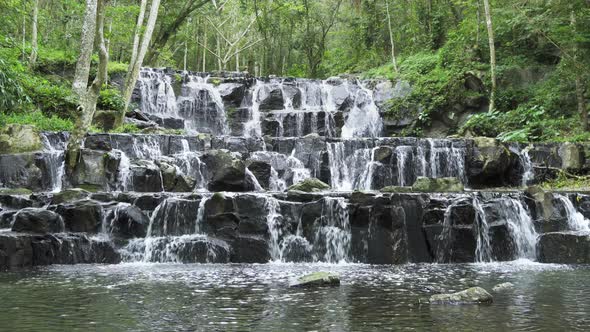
(576, 221)
(521, 228)
(483, 251)
(202, 107)
(528, 172)
(364, 119)
(55, 162)
(333, 232)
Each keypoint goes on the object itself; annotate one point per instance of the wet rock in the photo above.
(15, 252)
(81, 216)
(565, 248)
(503, 287)
(232, 93)
(249, 249)
(309, 185)
(36, 220)
(12, 201)
(261, 171)
(15, 138)
(196, 249)
(90, 170)
(106, 120)
(6, 218)
(227, 172)
(293, 94)
(69, 195)
(271, 99)
(173, 180)
(490, 164)
(146, 176)
(396, 189)
(572, 156)
(317, 279)
(474, 295)
(23, 170)
(72, 249)
(424, 184)
(129, 222)
(297, 249)
(175, 217)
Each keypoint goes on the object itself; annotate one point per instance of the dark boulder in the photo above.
(232, 94)
(270, 98)
(261, 171)
(35, 220)
(564, 248)
(228, 173)
(82, 216)
(15, 252)
(490, 164)
(146, 176)
(249, 249)
(129, 222)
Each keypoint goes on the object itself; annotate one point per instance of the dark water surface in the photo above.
(161, 297)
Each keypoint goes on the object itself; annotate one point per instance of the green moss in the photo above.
(215, 81)
(15, 191)
(429, 185)
(396, 189)
(317, 279)
(126, 128)
(310, 185)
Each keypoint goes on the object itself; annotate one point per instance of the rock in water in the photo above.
(474, 295)
(430, 185)
(317, 279)
(310, 185)
(503, 287)
(34, 220)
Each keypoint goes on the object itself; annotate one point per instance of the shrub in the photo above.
(37, 119)
(110, 99)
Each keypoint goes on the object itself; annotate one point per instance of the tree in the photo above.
(88, 96)
(139, 51)
(34, 42)
(393, 60)
(488, 13)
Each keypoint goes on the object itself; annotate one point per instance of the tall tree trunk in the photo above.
(86, 46)
(391, 37)
(89, 97)
(133, 73)
(581, 100)
(205, 49)
(488, 12)
(136, 36)
(34, 46)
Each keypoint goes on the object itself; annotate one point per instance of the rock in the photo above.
(249, 249)
(271, 99)
(228, 172)
(232, 93)
(297, 249)
(293, 94)
(396, 189)
(503, 287)
(261, 171)
(564, 248)
(474, 295)
(24, 170)
(35, 220)
(309, 185)
(317, 279)
(146, 176)
(424, 184)
(90, 170)
(15, 138)
(197, 249)
(82, 216)
(69, 195)
(129, 222)
(106, 120)
(173, 180)
(15, 252)
(489, 164)
(572, 156)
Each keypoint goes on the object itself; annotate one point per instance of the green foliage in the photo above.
(110, 99)
(565, 181)
(37, 119)
(126, 128)
(12, 94)
(117, 68)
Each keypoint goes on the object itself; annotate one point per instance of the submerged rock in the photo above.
(310, 185)
(503, 287)
(35, 220)
(474, 295)
(317, 279)
(424, 184)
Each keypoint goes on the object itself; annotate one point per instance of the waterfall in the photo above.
(190, 164)
(273, 219)
(201, 214)
(483, 251)
(521, 228)
(124, 173)
(403, 153)
(252, 177)
(202, 107)
(253, 128)
(528, 172)
(55, 159)
(334, 232)
(157, 94)
(364, 119)
(575, 220)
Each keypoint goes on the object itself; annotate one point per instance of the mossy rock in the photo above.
(474, 295)
(396, 189)
(310, 185)
(430, 185)
(16, 138)
(318, 279)
(15, 191)
(70, 195)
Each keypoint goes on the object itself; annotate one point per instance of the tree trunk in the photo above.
(204, 50)
(131, 80)
(34, 46)
(581, 100)
(488, 12)
(137, 36)
(86, 45)
(391, 37)
(88, 98)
